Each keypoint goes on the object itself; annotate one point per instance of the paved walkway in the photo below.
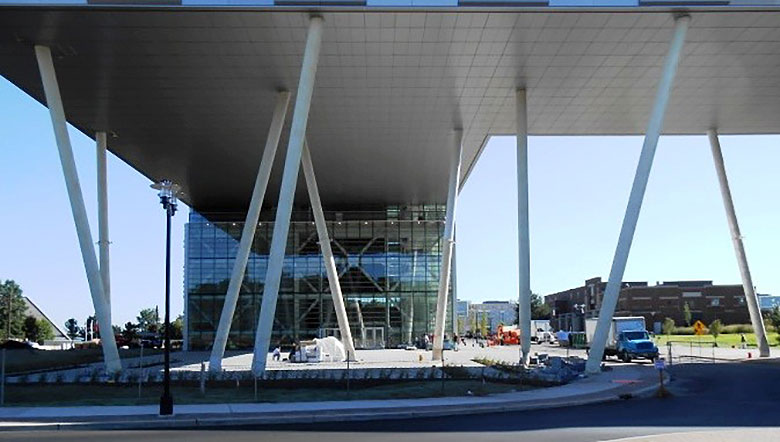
(389, 358)
(397, 358)
(607, 386)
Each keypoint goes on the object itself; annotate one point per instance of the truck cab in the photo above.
(635, 344)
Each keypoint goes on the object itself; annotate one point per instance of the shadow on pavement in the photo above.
(704, 395)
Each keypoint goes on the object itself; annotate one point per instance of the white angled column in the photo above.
(654, 127)
(523, 235)
(102, 193)
(739, 249)
(361, 324)
(410, 319)
(327, 253)
(287, 194)
(248, 233)
(57, 112)
(447, 245)
(454, 283)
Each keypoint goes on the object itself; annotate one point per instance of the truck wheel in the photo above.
(626, 357)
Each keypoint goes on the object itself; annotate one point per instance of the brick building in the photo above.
(706, 301)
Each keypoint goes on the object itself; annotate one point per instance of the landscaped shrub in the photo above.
(668, 326)
(716, 327)
(736, 329)
(684, 331)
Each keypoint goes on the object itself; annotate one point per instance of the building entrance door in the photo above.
(375, 338)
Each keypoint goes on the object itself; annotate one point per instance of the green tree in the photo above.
(668, 326)
(72, 326)
(483, 325)
(715, 328)
(177, 328)
(687, 314)
(37, 330)
(774, 318)
(130, 332)
(12, 310)
(539, 310)
(45, 331)
(149, 320)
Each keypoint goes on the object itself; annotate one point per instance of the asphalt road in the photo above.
(737, 400)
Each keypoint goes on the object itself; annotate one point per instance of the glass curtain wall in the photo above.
(388, 263)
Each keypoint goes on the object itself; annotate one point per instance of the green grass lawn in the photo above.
(127, 394)
(20, 361)
(723, 340)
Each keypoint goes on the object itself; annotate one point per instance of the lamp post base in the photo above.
(166, 405)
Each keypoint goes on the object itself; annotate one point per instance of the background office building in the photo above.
(495, 314)
(706, 301)
(768, 302)
(462, 314)
(388, 262)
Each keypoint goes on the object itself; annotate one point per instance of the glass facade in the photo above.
(388, 263)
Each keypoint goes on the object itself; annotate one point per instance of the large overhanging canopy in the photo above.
(187, 94)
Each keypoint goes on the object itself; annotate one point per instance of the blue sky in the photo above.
(578, 191)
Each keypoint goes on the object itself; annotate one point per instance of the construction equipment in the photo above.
(506, 335)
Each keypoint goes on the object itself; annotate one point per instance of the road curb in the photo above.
(309, 417)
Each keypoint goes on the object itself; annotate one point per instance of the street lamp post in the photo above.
(167, 192)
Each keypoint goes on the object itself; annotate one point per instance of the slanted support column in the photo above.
(102, 194)
(410, 319)
(454, 282)
(327, 253)
(523, 235)
(287, 194)
(248, 233)
(59, 123)
(448, 243)
(739, 249)
(654, 127)
(361, 324)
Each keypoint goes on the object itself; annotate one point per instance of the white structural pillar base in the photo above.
(327, 254)
(739, 249)
(448, 243)
(287, 194)
(103, 241)
(523, 234)
(248, 233)
(654, 128)
(57, 112)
